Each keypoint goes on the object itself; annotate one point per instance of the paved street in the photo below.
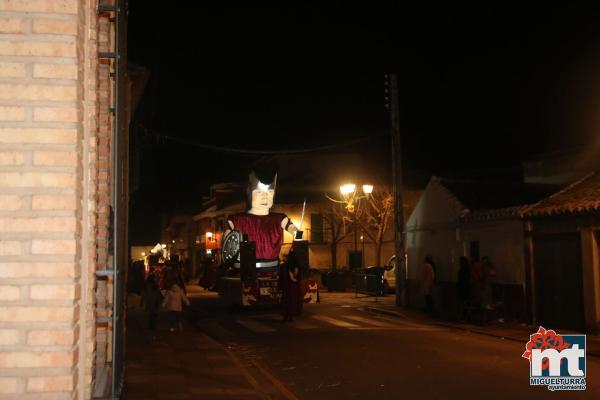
(339, 350)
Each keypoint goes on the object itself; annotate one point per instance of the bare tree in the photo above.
(335, 216)
(375, 217)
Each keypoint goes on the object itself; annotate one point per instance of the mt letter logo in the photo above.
(556, 361)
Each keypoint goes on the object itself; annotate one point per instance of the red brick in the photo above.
(37, 270)
(8, 385)
(24, 359)
(55, 158)
(40, 6)
(55, 26)
(48, 384)
(10, 91)
(52, 202)
(41, 224)
(10, 248)
(55, 71)
(54, 292)
(12, 70)
(54, 114)
(13, 25)
(51, 338)
(10, 293)
(37, 49)
(12, 158)
(37, 135)
(9, 337)
(36, 314)
(63, 247)
(10, 203)
(12, 113)
(37, 179)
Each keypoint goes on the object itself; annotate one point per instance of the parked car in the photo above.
(380, 285)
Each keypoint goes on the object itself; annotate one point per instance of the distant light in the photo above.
(262, 187)
(143, 253)
(361, 237)
(209, 252)
(164, 246)
(209, 235)
(172, 241)
(367, 189)
(347, 188)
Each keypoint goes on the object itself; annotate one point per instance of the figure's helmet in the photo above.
(261, 188)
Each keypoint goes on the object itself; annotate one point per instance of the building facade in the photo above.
(455, 218)
(63, 208)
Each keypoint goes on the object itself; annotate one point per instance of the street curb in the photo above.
(384, 311)
(460, 328)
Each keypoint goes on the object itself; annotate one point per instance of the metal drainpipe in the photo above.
(116, 312)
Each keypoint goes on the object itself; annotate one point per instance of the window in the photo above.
(316, 228)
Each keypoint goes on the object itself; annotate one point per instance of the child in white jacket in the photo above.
(173, 302)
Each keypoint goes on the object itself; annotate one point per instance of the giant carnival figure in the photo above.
(252, 244)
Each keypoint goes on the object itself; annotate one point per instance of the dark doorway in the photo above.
(474, 250)
(558, 281)
(355, 260)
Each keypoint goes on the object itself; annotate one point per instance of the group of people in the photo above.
(475, 283)
(171, 298)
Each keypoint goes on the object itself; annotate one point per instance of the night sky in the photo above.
(480, 88)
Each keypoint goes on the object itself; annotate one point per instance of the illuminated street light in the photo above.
(352, 201)
(347, 188)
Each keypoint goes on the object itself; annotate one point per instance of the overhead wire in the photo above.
(256, 152)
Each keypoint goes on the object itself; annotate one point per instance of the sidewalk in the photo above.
(507, 331)
(184, 365)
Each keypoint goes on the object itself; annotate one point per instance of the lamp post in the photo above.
(352, 199)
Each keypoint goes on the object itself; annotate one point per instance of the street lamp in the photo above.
(352, 199)
(351, 196)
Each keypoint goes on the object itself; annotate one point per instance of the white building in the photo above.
(456, 218)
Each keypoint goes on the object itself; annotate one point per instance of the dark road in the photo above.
(337, 350)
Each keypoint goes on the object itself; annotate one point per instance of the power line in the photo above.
(255, 152)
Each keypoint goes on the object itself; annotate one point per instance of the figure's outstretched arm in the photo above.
(289, 226)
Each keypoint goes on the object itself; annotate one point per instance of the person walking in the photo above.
(151, 300)
(173, 303)
(464, 278)
(292, 291)
(427, 283)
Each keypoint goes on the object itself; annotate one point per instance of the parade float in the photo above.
(251, 249)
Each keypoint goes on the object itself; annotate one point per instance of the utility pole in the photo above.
(392, 104)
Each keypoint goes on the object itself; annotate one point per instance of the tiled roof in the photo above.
(491, 200)
(476, 195)
(580, 197)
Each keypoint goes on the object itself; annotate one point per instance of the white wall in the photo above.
(503, 242)
(431, 230)
(434, 229)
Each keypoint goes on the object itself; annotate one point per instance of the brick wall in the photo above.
(52, 175)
